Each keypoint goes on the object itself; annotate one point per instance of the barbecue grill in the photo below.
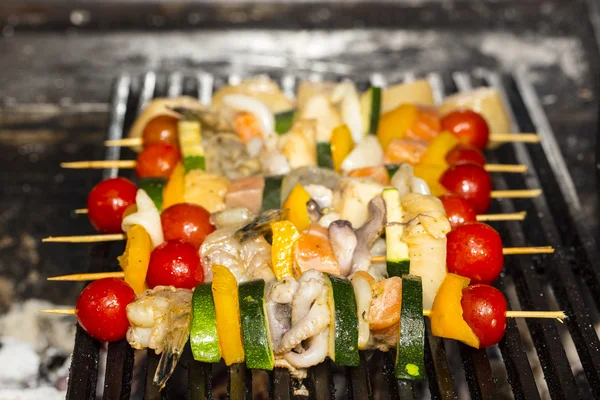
(569, 280)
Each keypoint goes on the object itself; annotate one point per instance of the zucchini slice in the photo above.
(324, 157)
(410, 356)
(371, 109)
(154, 188)
(343, 332)
(272, 193)
(190, 144)
(392, 169)
(284, 121)
(255, 325)
(398, 262)
(204, 339)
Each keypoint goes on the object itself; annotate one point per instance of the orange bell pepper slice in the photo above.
(136, 257)
(447, 314)
(227, 309)
(285, 235)
(296, 203)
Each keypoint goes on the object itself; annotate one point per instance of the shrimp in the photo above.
(404, 151)
(425, 235)
(246, 260)
(160, 319)
(313, 250)
(379, 173)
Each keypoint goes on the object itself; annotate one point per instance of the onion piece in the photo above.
(367, 153)
(147, 215)
(346, 94)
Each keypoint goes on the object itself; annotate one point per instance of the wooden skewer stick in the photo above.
(67, 311)
(127, 142)
(515, 137)
(81, 211)
(505, 251)
(519, 216)
(99, 164)
(92, 276)
(515, 194)
(111, 237)
(508, 168)
(559, 315)
(494, 137)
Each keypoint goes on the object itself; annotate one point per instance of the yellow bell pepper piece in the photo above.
(134, 261)
(285, 235)
(447, 313)
(438, 148)
(394, 124)
(174, 190)
(341, 145)
(227, 309)
(431, 174)
(296, 203)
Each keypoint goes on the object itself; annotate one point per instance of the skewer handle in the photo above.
(88, 277)
(559, 315)
(111, 237)
(509, 168)
(515, 194)
(71, 311)
(515, 137)
(99, 164)
(528, 250)
(127, 142)
(520, 216)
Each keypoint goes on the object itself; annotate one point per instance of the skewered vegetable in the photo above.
(175, 263)
(469, 126)
(101, 309)
(458, 210)
(255, 325)
(107, 202)
(410, 355)
(484, 309)
(161, 129)
(154, 189)
(463, 153)
(204, 340)
(475, 251)
(136, 258)
(188, 222)
(471, 182)
(157, 161)
(343, 334)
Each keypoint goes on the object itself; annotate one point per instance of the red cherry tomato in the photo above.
(458, 210)
(102, 309)
(161, 129)
(189, 222)
(469, 126)
(175, 263)
(107, 201)
(474, 250)
(484, 309)
(157, 161)
(463, 153)
(470, 181)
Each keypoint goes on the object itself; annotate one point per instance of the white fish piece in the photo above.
(425, 235)
(367, 153)
(363, 294)
(351, 198)
(321, 194)
(345, 93)
(147, 215)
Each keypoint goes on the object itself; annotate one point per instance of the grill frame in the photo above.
(567, 271)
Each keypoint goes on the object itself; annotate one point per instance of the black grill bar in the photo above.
(320, 381)
(281, 384)
(84, 367)
(358, 380)
(119, 371)
(199, 380)
(151, 391)
(478, 373)
(239, 384)
(518, 368)
(441, 383)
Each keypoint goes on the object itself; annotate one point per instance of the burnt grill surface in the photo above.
(569, 280)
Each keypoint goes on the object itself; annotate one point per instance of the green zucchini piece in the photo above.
(272, 193)
(343, 333)
(154, 187)
(284, 121)
(375, 109)
(204, 339)
(410, 356)
(255, 325)
(324, 158)
(392, 169)
(190, 144)
(396, 257)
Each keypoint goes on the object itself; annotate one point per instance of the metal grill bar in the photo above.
(441, 383)
(84, 367)
(119, 371)
(478, 373)
(117, 118)
(150, 390)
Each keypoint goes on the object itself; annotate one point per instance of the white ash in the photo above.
(35, 351)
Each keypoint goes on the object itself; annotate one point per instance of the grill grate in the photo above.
(567, 280)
